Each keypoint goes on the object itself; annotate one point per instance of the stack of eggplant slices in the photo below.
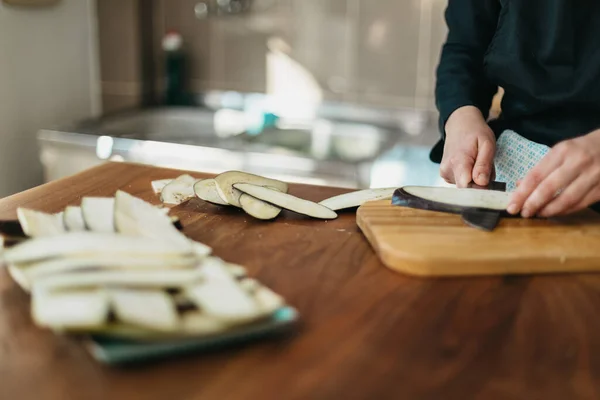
(120, 266)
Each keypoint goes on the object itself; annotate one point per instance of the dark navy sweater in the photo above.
(545, 54)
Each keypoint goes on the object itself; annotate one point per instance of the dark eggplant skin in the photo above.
(405, 199)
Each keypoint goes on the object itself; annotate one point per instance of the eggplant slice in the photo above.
(358, 198)
(85, 243)
(258, 208)
(178, 191)
(73, 219)
(207, 190)
(158, 186)
(226, 181)
(451, 200)
(98, 214)
(74, 310)
(149, 309)
(287, 201)
(39, 224)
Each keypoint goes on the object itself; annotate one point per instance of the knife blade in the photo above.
(485, 220)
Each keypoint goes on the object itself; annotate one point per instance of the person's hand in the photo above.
(566, 180)
(469, 149)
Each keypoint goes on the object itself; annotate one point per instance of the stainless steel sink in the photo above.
(321, 151)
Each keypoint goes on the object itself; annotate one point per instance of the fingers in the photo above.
(575, 197)
(533, 179)
(483, 167)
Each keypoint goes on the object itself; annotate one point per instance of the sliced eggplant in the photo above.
(268, 301)
(198, 323)
(287, 201)
(220, 296)
(149, 309)
(225, 185)
(134, 216)
(258, 208)
(19, 277)
(356, 199)
(206, 190)
(98, 214)
(101, 261)
(75, 310)
(157, 186)
(164, 279)
(86, 243)
(452, 200)
(178, 191)
(73, 219)
(39, 224)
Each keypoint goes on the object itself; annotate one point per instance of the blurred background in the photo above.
(334, 92)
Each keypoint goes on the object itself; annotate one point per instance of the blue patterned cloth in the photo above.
(515, 157)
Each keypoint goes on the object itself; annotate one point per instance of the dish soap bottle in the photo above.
(175, 93)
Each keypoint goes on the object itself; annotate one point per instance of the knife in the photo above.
(486, 220)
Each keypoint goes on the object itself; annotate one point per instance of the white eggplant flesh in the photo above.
(200, 249)
(157, 186)
(198, 323)
(73, 219)
(258, 208)
(40, 224)
(40, 269)
(85, 243)
(75, 310)
(150, 309)
(358, 198)
(98, 213)
(287, 201)
(268, 301)
(178, 191)
(220, 295)
(155, 279)
(467, 198)
(19, 277)
(225, 185)
(134, 216)
(206, 190)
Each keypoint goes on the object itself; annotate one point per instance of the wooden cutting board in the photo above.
(427, 243)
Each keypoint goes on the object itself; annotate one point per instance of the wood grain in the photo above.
(428, 243)
(367, 332)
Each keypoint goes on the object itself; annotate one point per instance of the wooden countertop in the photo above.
(366, 332)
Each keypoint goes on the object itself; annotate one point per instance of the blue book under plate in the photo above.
(113, 351)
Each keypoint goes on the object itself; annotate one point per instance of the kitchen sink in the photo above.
(328, 151)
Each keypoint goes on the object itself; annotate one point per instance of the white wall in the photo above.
(48, 76)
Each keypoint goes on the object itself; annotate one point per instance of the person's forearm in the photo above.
(460, 74)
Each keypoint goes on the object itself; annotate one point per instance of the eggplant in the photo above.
(135, 217)
(157, 186)
(452, 200)
(179, 190)
(258, 208)
(287, 201)
(39, 224)
(98, 214)
(220, 296)
(85, 243)
(149, 309)
(101, 261)
(73, 219)
(207, 190)
(74, 310)
(225, 185)
(356, 199)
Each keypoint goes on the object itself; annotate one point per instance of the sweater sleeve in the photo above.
(460, 73)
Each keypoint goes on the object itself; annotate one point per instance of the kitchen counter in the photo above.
(366, 332)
